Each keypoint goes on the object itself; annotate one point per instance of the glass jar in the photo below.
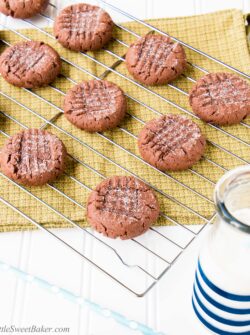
(221, 294)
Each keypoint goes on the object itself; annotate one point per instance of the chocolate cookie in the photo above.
(22, 9)
(155, 59)
(122, 207)
(83, 27)
(221, 98)
(30, 64)
(171, 142)
(33, 157)
(95, 105)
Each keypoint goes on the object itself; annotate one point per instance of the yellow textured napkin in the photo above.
(184, 196)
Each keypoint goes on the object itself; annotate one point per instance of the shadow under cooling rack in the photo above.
(150, 255)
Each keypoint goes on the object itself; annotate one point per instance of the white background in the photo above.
(166, 308)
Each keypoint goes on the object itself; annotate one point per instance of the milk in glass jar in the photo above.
(221, 294)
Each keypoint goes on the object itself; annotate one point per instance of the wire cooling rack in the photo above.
(154, 253)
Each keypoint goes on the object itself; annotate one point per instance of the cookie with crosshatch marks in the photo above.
(22, 9)
(221, 98)
(155, 59)
(122, 207)
(30, 64)
(95, 105)
(33, 157)
(83, 27)
(171, 142)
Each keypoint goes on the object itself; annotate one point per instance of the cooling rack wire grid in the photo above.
(153, 254)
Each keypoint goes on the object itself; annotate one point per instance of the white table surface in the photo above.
(166, 308)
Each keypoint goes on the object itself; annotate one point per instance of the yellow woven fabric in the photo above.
(184, 196)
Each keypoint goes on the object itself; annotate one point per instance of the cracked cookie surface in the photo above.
(30, 64)
(122, 207)
(33, 157)
(22, 9)
(171, 142)
(155, 59)
(83, 27)
(221, 98)
(95, 105)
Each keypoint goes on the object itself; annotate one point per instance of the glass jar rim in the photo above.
(228, 181)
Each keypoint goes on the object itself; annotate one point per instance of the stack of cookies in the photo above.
(120, 206)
